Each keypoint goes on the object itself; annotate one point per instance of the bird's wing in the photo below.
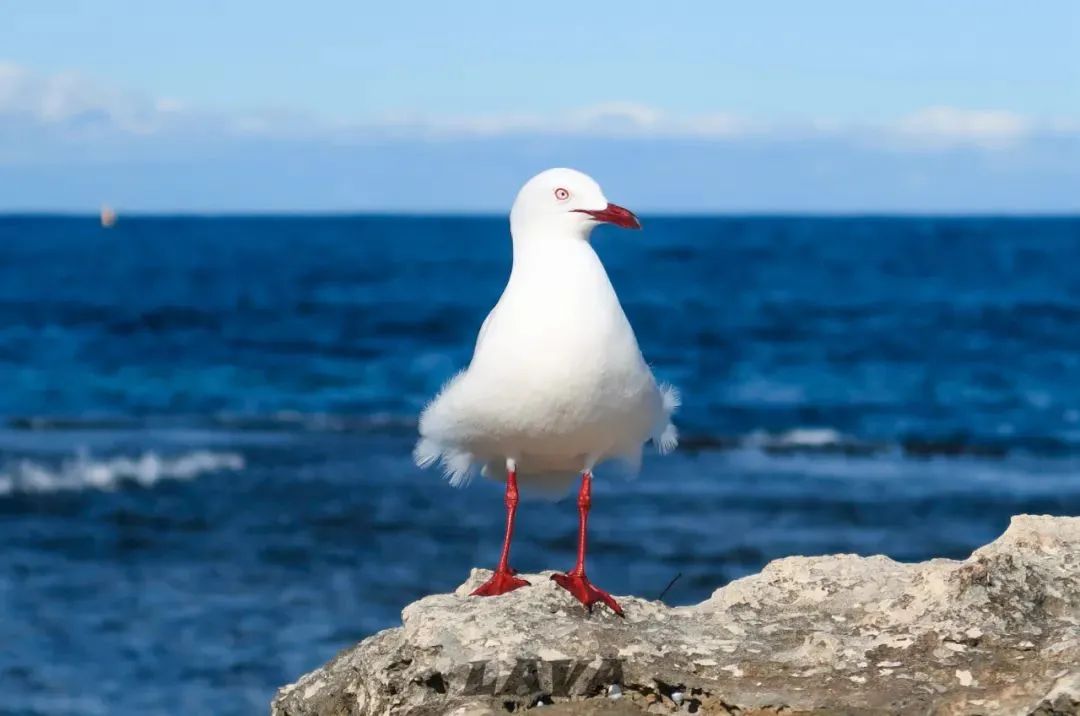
(484, 328)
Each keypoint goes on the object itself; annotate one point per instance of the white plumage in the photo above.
(557, 383)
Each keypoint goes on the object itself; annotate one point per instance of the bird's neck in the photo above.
(549, 249)
(545, 239)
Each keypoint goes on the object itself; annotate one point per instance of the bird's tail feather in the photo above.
(666, 437)
(456, 464)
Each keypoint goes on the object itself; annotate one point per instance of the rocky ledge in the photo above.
(997, 633)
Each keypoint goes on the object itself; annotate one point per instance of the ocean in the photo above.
(205, 426)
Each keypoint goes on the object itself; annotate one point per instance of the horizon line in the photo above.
(452, 214)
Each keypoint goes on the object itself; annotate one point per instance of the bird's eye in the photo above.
(562, 194)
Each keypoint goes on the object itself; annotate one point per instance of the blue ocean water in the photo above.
(205, 426)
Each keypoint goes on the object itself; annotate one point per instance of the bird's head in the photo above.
(565, 202)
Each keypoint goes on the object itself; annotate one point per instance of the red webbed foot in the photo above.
(582, 589)
(501, 582)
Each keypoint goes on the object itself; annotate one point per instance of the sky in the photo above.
(923, 107)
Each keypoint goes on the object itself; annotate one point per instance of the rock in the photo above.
(997, 633)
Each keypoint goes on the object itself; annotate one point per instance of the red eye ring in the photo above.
(562, 194)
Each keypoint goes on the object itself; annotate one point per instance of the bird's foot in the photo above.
(501, 582)
(582, 589)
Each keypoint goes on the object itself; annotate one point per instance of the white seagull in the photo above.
(557, 383)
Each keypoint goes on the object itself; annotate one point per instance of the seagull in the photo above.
(557, 383)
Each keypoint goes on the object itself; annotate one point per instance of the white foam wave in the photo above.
(83, 472)
(799, 438)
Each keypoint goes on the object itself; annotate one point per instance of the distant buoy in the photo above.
(108, 217)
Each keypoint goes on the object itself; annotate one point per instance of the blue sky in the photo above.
(695, 106)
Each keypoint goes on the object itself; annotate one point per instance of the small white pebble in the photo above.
(858, 679)
(973, 633)
(964, 677)
(953, 646)
(885, 672)
(677, 696)
(890, 664)
(614, 692)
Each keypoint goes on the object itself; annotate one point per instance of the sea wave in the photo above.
(799, 438)
(84, 472)
(285, 420)
(824, 440)
(811, 439)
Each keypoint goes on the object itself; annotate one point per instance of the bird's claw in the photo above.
(501, 582)
(582, 589)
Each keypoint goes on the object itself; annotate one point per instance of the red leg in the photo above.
(575, 581)
(503, 580)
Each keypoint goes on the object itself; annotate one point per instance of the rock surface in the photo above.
(997, 633)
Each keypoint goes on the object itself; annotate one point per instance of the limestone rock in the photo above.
(997, 633)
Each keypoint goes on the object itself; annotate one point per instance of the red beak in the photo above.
(614, 214)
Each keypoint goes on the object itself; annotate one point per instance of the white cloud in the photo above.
(69, 98)
(930, 128)
(609, 119)
(75, 104)
(168, 105)
(949, 126)
(642, 119)
(638, 115)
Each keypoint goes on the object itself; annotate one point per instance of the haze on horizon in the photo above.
(973, 107)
